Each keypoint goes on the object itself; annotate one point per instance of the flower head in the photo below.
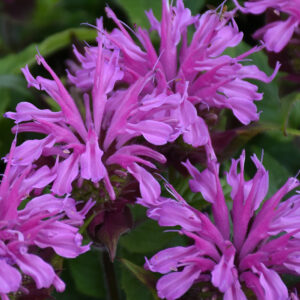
(45, 221)
(90, 140)
(263, 243)
(197, 70)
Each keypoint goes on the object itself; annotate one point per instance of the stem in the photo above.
(110, 276)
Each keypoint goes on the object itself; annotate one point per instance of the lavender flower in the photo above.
(276, 34)
(45, 221)
(198, 71)
(264, 241)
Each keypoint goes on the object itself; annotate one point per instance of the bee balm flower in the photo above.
(197, 70)
(45, 221)
(94, 144)
(263, 243)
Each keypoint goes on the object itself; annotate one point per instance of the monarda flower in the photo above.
(94, 143)
(278, 34)
(44, 222)
(262, 243)
(197, 70)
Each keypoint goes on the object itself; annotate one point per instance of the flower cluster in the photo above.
(101, 148)
(84, 147)
(198, 71)
(264, 241)
(45, 221)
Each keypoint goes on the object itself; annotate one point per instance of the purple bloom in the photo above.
(45, 221)
(91, 140)
(263, 243)
(199, 71)
(276, 34)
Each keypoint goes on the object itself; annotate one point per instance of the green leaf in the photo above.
(14, 62)
(87, 274)
(131, 284)
(144, 276)
(281, 157)
(280, 147)
(52, 104)
(194, 6)
(278, 172)
(136, 10)
(70, 292)
(44, 9)
(11, 88)
(149, 237)
(290, 111)
(5, 97)
(14, 82)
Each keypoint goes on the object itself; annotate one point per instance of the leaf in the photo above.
(144, 276)
(281, 157)
(131, 282)
(241, 137)
(44, 9)
(290, 110)
(278, 172)
(194, 6)
(14, 82)
(14, 62)
(149, 237)
(11, 88)
(5, 99)
(54, 106)
(87, 274)
(280, 147)
(136, 10)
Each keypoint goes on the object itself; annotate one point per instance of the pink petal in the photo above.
(62, 238)
(10, 278)
(235, 292)
(174, 285)
(33, 266)
(156, 133)
(225, 273)
(169, 259)
(67, 171)
(91, 165)
(172, 213)
(273, 286)
(278, 34)
(204, 182)
(31, 150)
(149, 187)
(26, 111)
